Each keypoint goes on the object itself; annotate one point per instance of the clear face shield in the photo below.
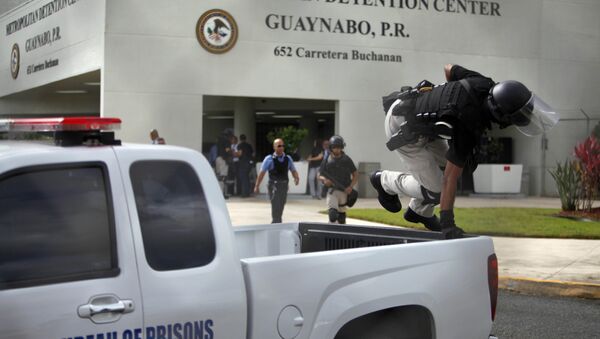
(535, 118)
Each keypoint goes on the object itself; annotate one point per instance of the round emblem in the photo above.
(216, 31)
(15, 61)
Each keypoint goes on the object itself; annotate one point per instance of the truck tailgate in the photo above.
(330, 288)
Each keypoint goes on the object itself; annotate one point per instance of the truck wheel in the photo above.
(408, 322)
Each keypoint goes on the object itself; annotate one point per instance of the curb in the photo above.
(550, 287)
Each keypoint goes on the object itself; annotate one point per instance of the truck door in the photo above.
(67, 268)
(190, 277)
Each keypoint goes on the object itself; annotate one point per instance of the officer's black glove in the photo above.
(449, 228)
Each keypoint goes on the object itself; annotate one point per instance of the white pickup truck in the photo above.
(100, 240)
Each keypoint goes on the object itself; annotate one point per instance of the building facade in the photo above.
(193, 67)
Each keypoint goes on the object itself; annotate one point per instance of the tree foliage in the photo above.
(568, 183)
(578, 181)
(588, 166)
(292, 137)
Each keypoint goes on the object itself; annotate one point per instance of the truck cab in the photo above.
(83, 226)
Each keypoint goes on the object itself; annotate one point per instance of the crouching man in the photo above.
(339, 175)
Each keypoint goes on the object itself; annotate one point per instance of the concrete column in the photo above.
(310, 123)
(336, 129)
(244, 121)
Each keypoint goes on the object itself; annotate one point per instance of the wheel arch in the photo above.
(401, 322)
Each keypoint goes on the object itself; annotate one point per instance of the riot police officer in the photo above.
(339, 175)
(440, 126)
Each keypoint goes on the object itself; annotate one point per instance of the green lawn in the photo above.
(513, 222)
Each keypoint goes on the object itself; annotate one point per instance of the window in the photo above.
(173, 214)
(56, 225)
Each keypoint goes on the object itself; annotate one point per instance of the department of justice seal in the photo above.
(216, 31)
(15, 61)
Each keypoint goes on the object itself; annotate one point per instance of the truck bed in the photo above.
(354, 270)
(292, 238)
(318, 237)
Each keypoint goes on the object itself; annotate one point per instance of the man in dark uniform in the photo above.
(277, 164)
(338, 174)
(441, 126)
(245, 164)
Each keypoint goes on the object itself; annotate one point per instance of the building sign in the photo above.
(49, 40)
(468, 7)
(39, 14)
(216, 31)
(324, 29)
(15, 61)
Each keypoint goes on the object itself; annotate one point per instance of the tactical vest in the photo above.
(439, 103)
(280, 169)
(432, 111)
(336, 172)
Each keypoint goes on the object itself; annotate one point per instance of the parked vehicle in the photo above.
(103, 241)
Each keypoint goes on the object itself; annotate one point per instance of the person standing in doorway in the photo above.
(325, 147)
(277, 164)
(233, 187)
(246, 160)
(314, 161)
(223, 159)
(212, 154)
(154, 136)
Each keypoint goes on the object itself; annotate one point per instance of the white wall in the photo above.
(155, 72)
(31, 104)
(569, 70)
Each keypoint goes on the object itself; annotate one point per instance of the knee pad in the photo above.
(429, 197)
(341, 218)
(333, 215)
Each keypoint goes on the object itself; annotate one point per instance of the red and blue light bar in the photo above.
(74, 124)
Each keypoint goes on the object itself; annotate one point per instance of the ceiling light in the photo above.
(324, 112)
(265, 113)
(287, 116)
(71, 91)
(92, 83)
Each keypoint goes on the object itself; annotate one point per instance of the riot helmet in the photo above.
(336, 141)
(511, 103)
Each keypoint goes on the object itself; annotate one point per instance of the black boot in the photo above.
(341, 218)
(432, 223)
(388, 201)
(333, 215)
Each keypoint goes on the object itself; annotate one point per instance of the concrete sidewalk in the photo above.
(547, 266)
